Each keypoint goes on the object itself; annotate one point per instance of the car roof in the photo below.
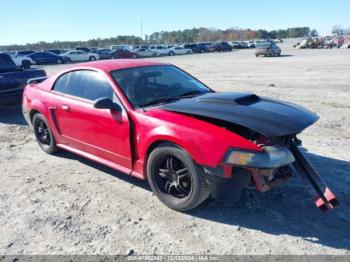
(111, 65)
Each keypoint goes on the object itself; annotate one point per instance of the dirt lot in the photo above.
(67, 205)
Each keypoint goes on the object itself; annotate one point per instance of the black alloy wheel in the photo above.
(175, 178)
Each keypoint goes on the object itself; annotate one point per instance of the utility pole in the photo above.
(141, 29)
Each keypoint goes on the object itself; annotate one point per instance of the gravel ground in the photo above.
(67, 205)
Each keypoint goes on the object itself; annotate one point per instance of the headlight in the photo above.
(270, 157)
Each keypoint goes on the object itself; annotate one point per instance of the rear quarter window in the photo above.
(61, 84)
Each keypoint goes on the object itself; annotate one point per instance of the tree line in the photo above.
(171, 37)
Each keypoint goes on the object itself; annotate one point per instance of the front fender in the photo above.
(205, 142)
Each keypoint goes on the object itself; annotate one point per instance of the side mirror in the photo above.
(106, 103)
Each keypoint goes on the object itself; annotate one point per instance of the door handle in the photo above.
(65, 108)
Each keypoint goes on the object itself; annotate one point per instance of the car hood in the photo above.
(266, 116)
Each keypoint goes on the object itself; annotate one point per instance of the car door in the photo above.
(99, 132)
(179, 50)
(38, 58)
(80, 56)
(51, 58)
(73, 56)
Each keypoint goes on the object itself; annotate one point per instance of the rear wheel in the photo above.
(43, 134)
(59, 61)
(171, 53)
(92, 58)
(175, 178)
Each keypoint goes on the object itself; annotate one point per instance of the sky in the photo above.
(25, 21)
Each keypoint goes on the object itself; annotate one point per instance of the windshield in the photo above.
(152, 84)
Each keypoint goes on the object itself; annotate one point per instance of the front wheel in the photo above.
(59, 61)
(175, 178)
(92, 58)
(43, 134)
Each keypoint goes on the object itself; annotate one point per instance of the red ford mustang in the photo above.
(156, 122)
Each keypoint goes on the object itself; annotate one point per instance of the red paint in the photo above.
(106, 137)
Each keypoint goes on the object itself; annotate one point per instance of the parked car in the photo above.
(160, 50)
(251, 44)
(235, 44)
(123, 53)
(197, 48)
(80, 56)
(13, 80)
(243, 44)
(121, 47)
(144, 52)
(104, 53)
(48, 58)
(267, 50)
(156, 122)
(178, 50)
(221, 47)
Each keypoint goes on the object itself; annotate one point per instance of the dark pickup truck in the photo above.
(13, 80)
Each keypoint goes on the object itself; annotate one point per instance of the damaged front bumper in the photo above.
(275, 164)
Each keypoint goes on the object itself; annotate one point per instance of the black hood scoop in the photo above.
(268, 117)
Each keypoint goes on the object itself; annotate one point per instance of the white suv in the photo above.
(160, 50)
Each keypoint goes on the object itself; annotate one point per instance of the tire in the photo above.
(92, 58)
(59, 61)
(43, 134)
(154, 55)
(134, 56)
(26, 64)
(188, 52)
(279, 54)
(69, 60)
(171, 53)
(180, 184)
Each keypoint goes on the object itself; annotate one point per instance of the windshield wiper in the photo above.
(171, 98)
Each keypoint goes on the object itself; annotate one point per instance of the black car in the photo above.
(48, 58)
(197, 48)
(221, 47)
